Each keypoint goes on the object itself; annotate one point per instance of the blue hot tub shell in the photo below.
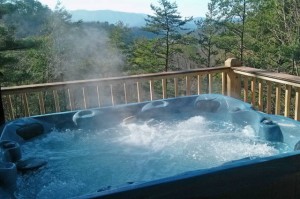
(252, 177)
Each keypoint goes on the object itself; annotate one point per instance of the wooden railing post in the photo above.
(2, 115)
(233, 79)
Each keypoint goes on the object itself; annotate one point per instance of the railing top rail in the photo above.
(281, 78)
(112, 79)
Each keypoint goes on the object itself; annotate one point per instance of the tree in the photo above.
(145, 57)
(232, 16)
(14, 47)
(208, 29)
(284, 26)
(120, 35)
(168, 25)
(272, 40)
(28, 18)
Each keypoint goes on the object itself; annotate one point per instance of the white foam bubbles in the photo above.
(135, 152)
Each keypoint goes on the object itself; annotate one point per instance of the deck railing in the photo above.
(260, 88)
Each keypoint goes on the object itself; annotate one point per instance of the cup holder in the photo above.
(11, 151)
(8, 176)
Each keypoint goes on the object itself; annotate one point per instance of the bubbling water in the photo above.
(81, 162)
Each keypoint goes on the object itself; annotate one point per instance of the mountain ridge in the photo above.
(110, 16)
(128, 18)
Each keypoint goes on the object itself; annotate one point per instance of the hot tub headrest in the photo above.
(210, 105)
(245, 117)
(90, 118)
(215, 103)
(30, 130)
(83, 115)
(155, 105)
(155, 110)
(24, 129)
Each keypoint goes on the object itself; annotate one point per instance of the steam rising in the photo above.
(67, 50)
(84, 53)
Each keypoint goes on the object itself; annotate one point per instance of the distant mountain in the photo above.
(112, 17)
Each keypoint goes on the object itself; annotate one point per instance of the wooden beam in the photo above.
(151, 90)
(260, 95)
(56, 101)
(41, 103)
(269, 94)
(164, 88)
(253, 91)
(245, 89)
(2, 114)
(188, 85)
(278, 98)
(176, 86)
(224, 83)
(297, 104)
(138, 90)
(233, 79)
(287, 102)
(210, 83)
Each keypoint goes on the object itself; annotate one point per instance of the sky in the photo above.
(186, 8)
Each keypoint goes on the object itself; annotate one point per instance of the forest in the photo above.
(39, 45)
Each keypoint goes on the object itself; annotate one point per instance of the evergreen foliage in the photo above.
(167, 24)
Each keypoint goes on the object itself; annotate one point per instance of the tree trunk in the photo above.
(167, 53)
(242, 33)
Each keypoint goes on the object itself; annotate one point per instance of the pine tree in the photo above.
(168, 25)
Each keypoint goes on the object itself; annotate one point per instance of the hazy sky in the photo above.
(186, 8)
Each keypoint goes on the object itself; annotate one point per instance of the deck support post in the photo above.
(233, 79)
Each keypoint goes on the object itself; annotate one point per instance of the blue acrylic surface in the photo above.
(150, 127)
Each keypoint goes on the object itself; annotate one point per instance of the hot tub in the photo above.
(204, 146)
